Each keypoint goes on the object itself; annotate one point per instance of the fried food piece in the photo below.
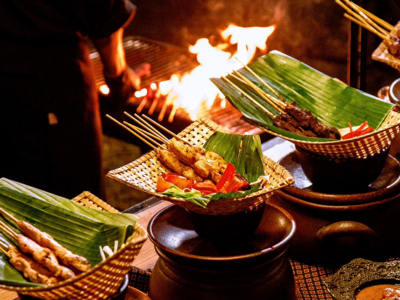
(30, 268)
(45, 240)
(183, 152)
(45, 257)
(171, 161)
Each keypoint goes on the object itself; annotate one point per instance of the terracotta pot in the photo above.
(334, 234)
(190, 267)
(341, 174)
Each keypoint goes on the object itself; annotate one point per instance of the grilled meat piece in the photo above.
(45, 257)
(171, 161)
(45, 240)
(30, 268)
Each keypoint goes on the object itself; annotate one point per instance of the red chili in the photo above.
(205, 188)
(365, 131)
(359, 129)
(229, 172)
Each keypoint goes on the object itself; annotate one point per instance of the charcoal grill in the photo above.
(166, 60)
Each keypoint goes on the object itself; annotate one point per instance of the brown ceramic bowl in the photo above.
(342, 175)
(191, 267)
(225, 228)
(386, 185)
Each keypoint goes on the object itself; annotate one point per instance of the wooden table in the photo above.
(147, 256)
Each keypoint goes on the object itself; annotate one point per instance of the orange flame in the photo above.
(195, 89)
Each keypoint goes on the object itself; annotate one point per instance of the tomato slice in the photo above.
(180, 181)
(162, 185)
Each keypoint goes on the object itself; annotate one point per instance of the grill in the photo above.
(167, 60)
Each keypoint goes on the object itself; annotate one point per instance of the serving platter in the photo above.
(361, 273)
(142, 174)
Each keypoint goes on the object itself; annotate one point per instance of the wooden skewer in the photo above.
(147, 135)
(366, 18)
(259, 91)
(373, 17)
(263, 82)
(361, 21)
(368, 27)
(8, 215)
(8, 230)
(146, 125)
(249, 97)
(131, 131)
(165, 129)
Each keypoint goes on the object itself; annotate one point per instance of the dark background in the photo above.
(313, 31)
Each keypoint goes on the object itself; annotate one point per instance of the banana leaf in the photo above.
(244, 152)
(331, 101)
(82, 233)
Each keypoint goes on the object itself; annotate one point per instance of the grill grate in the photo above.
(167, 60)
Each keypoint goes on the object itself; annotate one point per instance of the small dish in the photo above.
(360, 273)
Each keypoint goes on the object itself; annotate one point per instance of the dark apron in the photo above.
(57, 79)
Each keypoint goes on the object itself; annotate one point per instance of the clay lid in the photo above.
(387, 184)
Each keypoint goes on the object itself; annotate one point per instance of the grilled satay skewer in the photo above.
(43, 256)
(45, 240)
(31, 270)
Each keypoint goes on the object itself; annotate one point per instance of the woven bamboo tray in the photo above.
(382, 53)
(103, 280)
(142, 174)
(359, 147)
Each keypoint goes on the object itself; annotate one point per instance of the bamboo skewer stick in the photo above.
(264, 95)
(8, 230)
(131, 131)
(368, 27)
(373, 17)
(146, 125)
(366, 18)
(249, 97)
(8, 215)
(262, 81)
(146, 134)
(165, 129)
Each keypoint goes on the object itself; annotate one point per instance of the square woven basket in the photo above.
(104, 279)
(142, 174)
(382, 53)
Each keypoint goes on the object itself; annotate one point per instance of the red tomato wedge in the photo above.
(162, 185)
(180, 181)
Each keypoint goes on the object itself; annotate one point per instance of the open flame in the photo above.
(195, 89)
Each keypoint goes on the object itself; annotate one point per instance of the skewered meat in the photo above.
(44, 256)
(302, 122)
(30, 268)
(171, 161)
(183, 152)
(47, 241)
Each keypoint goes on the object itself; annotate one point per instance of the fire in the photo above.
(195, 89)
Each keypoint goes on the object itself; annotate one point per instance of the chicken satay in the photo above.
(172, 162)
(183, 152)
(45, 240)
(45, 257)
(31, 270)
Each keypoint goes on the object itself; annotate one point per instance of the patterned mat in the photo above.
(308, 280)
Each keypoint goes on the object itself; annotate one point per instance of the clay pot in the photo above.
(191, 267)
(341, 174)
(334, 234)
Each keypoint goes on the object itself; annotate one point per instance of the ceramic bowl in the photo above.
(386, 185)
(343, 175)
(394, 91)
(360, 273)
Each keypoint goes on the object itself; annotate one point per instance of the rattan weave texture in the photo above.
(142, 174)
(103, 280)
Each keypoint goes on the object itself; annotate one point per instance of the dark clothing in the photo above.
(46, 76)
